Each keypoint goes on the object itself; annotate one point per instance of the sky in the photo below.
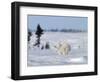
(57, 22)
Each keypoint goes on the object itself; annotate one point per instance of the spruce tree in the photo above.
(38, 32)
(47, 46)
(29, 34)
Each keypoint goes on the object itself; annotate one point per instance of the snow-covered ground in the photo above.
(77, 55)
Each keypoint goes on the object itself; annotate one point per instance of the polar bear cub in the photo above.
(63, 48)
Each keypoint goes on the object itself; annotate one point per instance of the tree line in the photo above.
(64, 30)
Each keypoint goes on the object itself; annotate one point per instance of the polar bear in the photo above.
(63, 48)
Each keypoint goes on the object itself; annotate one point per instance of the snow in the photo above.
(47, 57)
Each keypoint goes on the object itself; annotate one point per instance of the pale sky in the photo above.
(57, 22)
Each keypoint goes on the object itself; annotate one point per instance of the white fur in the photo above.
(62, 48)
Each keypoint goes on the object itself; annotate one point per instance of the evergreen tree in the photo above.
(38, 32)
(29, 34)
(47, 46)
